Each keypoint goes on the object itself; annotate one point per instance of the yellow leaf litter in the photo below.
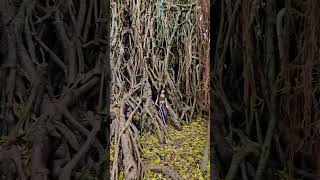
(183, 151)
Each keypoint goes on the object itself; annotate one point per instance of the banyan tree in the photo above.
(265, 79)
(55, 88)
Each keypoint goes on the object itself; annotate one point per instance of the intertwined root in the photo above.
(154, 44)
(266, 87)
(54, 77)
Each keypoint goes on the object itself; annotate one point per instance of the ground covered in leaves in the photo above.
(183, 151)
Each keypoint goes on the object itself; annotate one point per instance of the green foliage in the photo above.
(121, 174)
(185, 2)
(3, 140)
(86, 175)
(284, 175)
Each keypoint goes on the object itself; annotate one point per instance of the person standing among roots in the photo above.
(161, 102)
(127, 113)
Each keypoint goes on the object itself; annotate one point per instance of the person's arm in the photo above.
(157, 100)
(166, 102)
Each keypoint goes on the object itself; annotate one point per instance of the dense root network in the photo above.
(265, 86)
(53, 81)
(153, 44)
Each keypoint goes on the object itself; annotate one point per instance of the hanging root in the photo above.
(52, 94)
(127, 140)
(153, 45)
(267, 86)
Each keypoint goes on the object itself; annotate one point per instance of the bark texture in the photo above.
(54, 81)
(264, 86)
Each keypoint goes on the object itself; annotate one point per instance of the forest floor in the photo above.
(183, 151)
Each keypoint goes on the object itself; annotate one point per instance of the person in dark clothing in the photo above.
(127, 114)
(161, 102)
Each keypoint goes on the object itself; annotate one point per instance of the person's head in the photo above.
(127, 114)
(162, 90)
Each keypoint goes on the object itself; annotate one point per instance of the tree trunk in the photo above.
(54, 81)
